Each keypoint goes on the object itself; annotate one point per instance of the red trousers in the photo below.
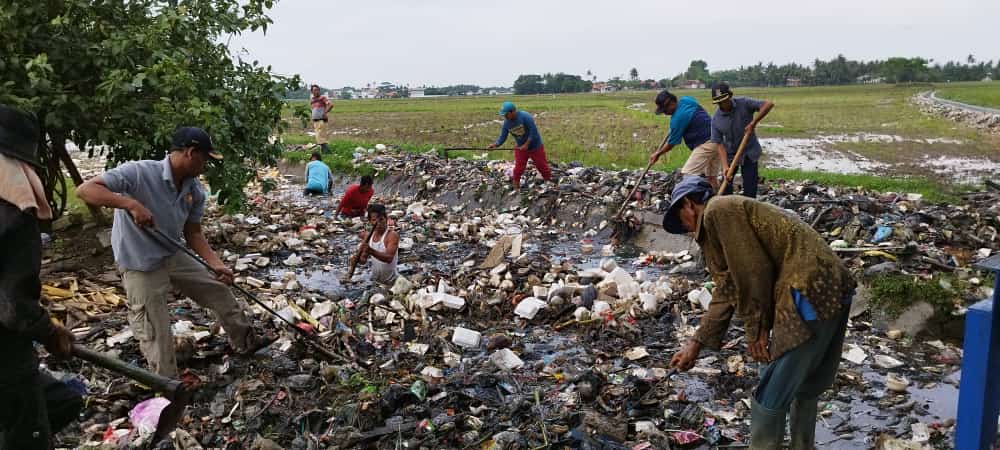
(538, 156)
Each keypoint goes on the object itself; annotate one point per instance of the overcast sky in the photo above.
(339, 43)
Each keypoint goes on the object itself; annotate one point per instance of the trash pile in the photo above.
(978, 119)
(515, 322)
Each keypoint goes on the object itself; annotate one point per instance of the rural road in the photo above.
(982, 109)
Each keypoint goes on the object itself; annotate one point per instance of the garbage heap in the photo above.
(515, 323)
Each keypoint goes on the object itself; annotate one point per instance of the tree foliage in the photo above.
(840, 70)
(119, 77)
(551, 84)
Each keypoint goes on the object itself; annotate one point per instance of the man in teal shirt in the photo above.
(318, 178)
(688, 120)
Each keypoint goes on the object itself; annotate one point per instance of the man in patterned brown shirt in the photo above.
(791, 291)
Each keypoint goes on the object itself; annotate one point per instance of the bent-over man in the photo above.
(791, 291)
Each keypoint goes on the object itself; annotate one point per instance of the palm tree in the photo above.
(634, 74)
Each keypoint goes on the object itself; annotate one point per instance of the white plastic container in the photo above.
(464, 337)
(529, 307)
(505, 359)
(600, 307)
(449, 300)
(649, 302)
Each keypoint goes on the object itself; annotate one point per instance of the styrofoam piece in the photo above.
(464, 337)
(529, 307)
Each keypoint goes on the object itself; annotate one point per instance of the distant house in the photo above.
(869, 79)
(602, 87)
(988, 78)
(793, 82)
(416, 92)
(692, 84)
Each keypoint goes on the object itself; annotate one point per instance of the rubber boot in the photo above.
(802, 423)
(767, 427)
(325, 147)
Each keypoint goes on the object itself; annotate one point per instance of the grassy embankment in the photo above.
(619, 130)
(978, 93)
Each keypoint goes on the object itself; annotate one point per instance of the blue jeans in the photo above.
(749, 171)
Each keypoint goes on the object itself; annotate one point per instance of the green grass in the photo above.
(893, 293)
(931, 190)
(977, 93)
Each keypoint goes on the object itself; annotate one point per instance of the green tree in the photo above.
(125, 74)
(634, 74)
(904, 70)
(697, 70)
(528, 85)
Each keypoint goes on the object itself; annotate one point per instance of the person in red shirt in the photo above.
(355, 200)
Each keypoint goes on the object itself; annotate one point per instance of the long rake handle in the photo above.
(634, 188)
(311, 339)
(732, 167)
(639, 181)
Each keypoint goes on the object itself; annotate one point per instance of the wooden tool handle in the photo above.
(732, 167)
(158, 383)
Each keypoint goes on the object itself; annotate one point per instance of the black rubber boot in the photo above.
(767, 427)
(802, 423)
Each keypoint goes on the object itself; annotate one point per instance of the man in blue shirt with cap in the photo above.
(688, 120)
(733, 119)
(529, 142)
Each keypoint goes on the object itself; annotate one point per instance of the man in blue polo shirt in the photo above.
(733, 119)
(166, 194)
(688, 120)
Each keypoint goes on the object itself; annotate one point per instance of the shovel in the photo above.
(310, 338)
(734, 165)
(178, 393)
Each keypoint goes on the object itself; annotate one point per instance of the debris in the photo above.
(529, 307)
(505, 359)
(464, 337)
(896, 383)
(636, 353)
(887, 362)
(855, 354)
(146, 415)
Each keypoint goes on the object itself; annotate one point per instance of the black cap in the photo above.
(195, 137)
(662, 99)
(721, 92)
(19, 134)
(689, 185)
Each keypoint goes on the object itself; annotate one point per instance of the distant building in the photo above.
(869, 79)
(988, 78)
(793, 82)
(416, 92)
(692, 84)
(602, 87)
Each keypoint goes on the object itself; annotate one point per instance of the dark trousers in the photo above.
(34, 410)
(749, 171)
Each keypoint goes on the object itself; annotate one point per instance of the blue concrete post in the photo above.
(979, 390)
